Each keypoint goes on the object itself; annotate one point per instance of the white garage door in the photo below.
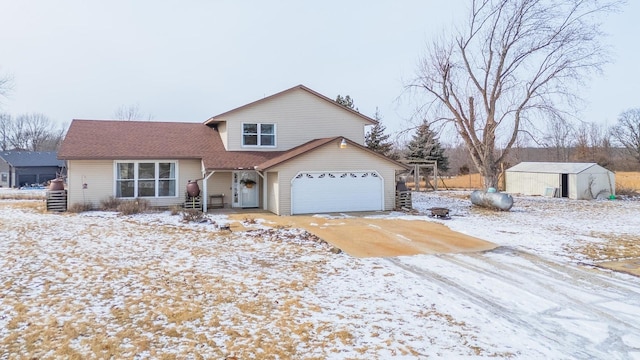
(336, 191)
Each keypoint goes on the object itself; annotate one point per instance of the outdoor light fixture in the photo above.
(343, 144)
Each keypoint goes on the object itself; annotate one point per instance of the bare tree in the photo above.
(34, 132)
(627, 132)
(514, 61)
(592, 144)
(6, 85)
(558, 137)
(5, 131)
(131, 112)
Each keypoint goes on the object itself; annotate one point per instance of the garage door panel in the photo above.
(316, 192)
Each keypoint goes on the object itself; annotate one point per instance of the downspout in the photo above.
(264, 187)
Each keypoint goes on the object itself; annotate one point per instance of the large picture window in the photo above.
(259, 135)
(145, 179)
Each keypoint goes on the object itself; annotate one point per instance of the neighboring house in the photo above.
(27, 168)
(304, 152)
(570, 180)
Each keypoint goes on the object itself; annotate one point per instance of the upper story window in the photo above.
(259, 135)
(145, 179)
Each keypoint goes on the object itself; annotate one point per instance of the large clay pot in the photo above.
(193, 189)
(56, 184)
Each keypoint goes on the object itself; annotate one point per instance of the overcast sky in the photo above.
(190, 60)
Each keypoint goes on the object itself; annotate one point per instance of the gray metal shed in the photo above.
(570, 180)
(25, 168)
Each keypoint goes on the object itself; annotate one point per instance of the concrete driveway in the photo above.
(365, 237)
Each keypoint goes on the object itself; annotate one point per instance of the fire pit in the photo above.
(440, 212)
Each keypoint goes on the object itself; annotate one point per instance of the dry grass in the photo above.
(612, 247)
(624, 180)
(26, 195)
(103, 291)
(628, 180)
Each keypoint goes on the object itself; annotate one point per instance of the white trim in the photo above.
(259, 146)
(136, 179)
(377, 174)
(205, 192)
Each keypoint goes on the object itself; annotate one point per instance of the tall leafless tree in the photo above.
(558, 138)
(34, 132)
(5, 131)
(627, 132)
(513, 62)
(6, 85)
(592, 144)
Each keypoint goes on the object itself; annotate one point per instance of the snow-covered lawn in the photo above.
(100, 285)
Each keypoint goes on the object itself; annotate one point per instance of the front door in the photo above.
(245, 189)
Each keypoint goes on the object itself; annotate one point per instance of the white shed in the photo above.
(570, 180)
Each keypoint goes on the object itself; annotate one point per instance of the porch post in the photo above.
(205, 192)
(265, 196)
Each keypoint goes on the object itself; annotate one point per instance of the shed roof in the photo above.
(31, 158)
(553, 167)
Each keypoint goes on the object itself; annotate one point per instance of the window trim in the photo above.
(136, 179)
(258, 135)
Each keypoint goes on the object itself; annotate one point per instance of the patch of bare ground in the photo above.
(619, 252)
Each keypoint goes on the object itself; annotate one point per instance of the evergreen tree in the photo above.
(425, 146)
(377, 140)
(346, 101)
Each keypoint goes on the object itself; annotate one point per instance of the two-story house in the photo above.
(293, 152)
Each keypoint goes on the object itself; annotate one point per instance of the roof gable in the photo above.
(31, 158)
(316, 144)
(552, 167)
(220, 117)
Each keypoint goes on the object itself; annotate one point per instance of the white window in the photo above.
(145, 179)
(259, 135)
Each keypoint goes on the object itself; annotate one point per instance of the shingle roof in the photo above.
(31, 158)
(128, 140)
(551, 167)
(294, 152)
(216, 118)
(314, 144)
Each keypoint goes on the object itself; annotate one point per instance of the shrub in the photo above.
(249, 221)
(175, 209)
(110, 203)
(79, 207)
(192, 215)
(133, 206)
(626, 191)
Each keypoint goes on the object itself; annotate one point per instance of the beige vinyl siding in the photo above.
(299, 117)
(331, 158)
(272, 192)
(187, 170)
(220, 183)
(222, 130)
(98, 177)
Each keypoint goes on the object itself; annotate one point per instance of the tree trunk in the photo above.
(489, 175)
